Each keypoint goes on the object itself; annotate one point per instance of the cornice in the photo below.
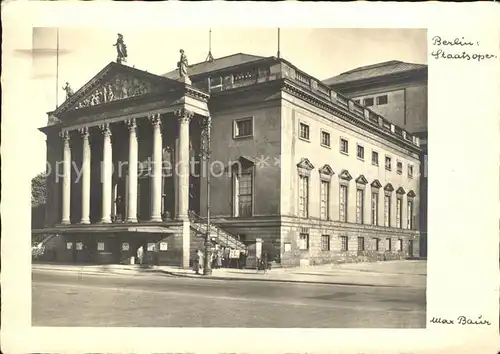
(343, 113)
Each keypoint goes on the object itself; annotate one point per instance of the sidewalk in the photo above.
(390, 273)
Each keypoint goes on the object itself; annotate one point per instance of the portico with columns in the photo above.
(125, 141)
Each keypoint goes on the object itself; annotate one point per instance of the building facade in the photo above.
(398, 91)
(304, 172)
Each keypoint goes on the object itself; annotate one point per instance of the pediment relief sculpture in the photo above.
(411, 194)
(389, 188)
(118, 88)
(376, 184)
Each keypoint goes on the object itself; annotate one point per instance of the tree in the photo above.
(39, 190)
(38, 200)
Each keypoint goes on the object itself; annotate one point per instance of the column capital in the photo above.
(184, 115)
(84, 132)
(155, 119)
(105, 129)
(64, 134)
(131, 124)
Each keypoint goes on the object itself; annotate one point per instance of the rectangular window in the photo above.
(409, 222)
(361, 152)
(325, 242)
(376, 244)
(399, 213)
(243, 127)
(345, 243)
(400, 242)
(361, 243)
(100, 246)
(399, 168)
(303, 196)
(410, 171)
(388, 163)
(304, 131)
(343, 203)
(288, 247)
(387, 211)
(382, 100)
(360, 195)
(388, 245)
(357, 101)
(304, 242)
(374, 208)
(215, 82)
(344, 146)
(325, 138)
(325, 200)
(368, 102)
(375, 158)
(243, 197)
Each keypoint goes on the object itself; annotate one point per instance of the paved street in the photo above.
(71, 299)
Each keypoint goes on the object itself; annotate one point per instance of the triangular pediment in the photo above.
(116, 82)
(376, 184)
(389, 188)
(400, 191)
(411, 194)
(326, 170)
(361, 180)
(305, 164)
(345, 175)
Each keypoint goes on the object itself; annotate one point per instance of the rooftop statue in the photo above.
(121, 49)
(69, 91)
(182, 64)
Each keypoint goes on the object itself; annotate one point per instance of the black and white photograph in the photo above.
(238, 189)
(294, 182)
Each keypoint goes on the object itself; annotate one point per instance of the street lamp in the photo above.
(205, 153)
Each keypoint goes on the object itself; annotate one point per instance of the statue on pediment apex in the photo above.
(182, 64)
(69, 91)
(121, 49)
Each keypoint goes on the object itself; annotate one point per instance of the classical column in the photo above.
(85, 176)
(156, 192)
(106, 174)
(132, 171)
(182, 165)
(66, 183)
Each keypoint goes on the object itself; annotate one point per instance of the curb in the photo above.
(220, 278)
(180, 275)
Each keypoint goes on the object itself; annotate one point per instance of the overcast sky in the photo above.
(321, 53)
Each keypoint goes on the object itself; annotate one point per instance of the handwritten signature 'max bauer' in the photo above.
(461, 320)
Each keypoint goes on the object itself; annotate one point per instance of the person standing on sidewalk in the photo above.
(140, 255)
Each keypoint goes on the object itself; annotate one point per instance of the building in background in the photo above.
(304, 172)
(397, 91)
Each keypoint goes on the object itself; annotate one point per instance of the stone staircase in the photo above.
(218, 235)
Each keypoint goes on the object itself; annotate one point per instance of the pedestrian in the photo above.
(219, 259)
(265, 263)
(140, 254)
(198, 262)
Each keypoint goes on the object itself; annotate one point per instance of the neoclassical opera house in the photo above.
(296, 170)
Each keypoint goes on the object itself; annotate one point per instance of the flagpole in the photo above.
(279, 54)
(57, 70)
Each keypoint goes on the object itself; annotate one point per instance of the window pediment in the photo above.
(326, 170)
(376, 184)
(305, 166)
(411, 194)
(389, 188)
(400, 191)
(345, 175)
(361, 180)
(245, 162)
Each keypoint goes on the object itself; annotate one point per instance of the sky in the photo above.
(83, 52)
